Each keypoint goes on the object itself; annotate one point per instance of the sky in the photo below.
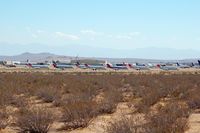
(100, 24)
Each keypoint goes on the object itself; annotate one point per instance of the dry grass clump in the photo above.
(148, 100)
(47, 94)
(78, 114)
(193, 99)
(3, 118)
(6, 96)
(18, 101)
(171, 118)
(194, 102)
(110, 100)
(57, 100)
(125, 125)
(34, 120)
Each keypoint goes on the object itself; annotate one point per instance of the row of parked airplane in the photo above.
(110, 66)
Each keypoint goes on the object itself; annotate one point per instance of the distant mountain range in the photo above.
(72, 50)
(33, 57)
(50, 56)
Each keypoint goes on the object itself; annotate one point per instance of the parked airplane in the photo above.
(95, 67)
(139, 67)
(164, 67)
(10, 65)
(80, 66)
(196, 66)
(63, 65)
(20, 64)
(116, 67)
(37, 65)
(182, 66)
(150, 65)
(123, 64)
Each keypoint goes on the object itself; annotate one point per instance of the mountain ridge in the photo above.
(51, 56)
(159, 53)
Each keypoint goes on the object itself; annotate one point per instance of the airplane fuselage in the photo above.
(169, 67)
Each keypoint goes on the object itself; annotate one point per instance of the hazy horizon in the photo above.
(88, 51)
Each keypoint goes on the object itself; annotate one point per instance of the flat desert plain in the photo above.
(108, 101)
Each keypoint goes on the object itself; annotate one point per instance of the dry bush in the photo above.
(149, 98)
(125, 125)
(172, 118)
(47, 94)
(110, 100)
(78, 114)
(57, 100)
(19, 101)
(194, 100)
(6, 96)
(82, 88)
(34, 119)
(2, 98)
(3, 118)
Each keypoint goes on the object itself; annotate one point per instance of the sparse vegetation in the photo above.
(125, 125)
(34, 120)
(47, 94)
(3, 118)
(78, 114)
(165, 99)
(110, 100)
(171, 118)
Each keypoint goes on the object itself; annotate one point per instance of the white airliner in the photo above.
(139, 67)
(38, 65)
(165, 67)
(95, 67)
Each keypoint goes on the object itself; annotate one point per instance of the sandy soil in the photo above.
(194, 123)
(97, 125)
(26, 69)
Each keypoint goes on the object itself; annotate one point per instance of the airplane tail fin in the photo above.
(158, 65)
(108, 65)
(54, 64)
(178, 64)
(124, 64)
(77, 64)
(29, 64)
(129, 65)
(199, 62)
(86, 65)
(192, 64)
(3, 63)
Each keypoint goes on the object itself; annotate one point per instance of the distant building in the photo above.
(89, 61)
(9, 62)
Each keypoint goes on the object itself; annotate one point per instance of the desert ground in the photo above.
(108, 101)
(57, 70)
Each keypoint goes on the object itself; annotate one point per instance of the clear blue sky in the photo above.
(119, 24)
